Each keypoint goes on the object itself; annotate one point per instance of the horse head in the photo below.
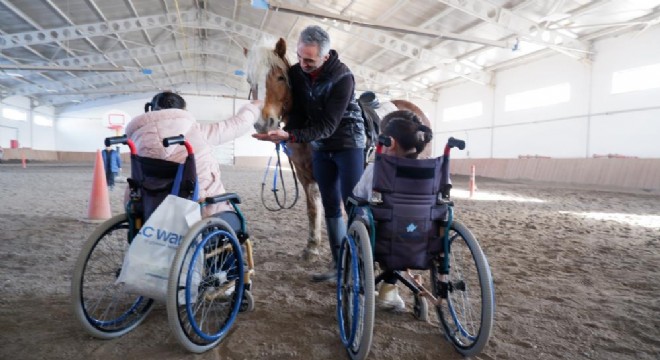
(267, 74)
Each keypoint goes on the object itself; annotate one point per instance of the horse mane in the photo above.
(261, 58)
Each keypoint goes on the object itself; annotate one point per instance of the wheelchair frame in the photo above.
(199, 316)
(461, 291)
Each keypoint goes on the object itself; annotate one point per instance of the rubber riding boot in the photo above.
(336, 232)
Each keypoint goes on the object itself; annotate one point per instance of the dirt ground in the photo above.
(576, 275)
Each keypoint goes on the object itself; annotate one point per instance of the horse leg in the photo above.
(314, 208)
(302, 161)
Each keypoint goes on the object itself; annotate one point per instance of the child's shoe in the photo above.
(389, 298)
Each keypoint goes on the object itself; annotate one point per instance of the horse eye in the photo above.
(281, 78)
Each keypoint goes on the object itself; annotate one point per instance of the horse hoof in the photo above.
(310, 254)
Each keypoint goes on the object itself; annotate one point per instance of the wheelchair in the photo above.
(209, 280)
(408, 228)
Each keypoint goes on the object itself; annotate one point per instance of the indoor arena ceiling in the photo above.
(69, 52)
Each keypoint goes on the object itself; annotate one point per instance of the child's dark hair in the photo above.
(165, 100)
(408, 131)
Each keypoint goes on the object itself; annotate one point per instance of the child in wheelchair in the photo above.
(404, 136)
(166, 116)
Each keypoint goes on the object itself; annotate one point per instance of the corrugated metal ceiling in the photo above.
(64, 52)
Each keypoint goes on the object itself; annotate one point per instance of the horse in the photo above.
(267, 69)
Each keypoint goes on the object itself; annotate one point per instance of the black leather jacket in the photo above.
(325, 111)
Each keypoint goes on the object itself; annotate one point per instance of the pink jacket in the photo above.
(148, 131)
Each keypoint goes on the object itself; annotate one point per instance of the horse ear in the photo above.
(280, 48)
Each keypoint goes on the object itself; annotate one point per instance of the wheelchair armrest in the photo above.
(233, 197)
(357, 201)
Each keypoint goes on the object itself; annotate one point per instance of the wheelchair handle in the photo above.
(453, 142)
(173, 140)
(123, 139)
(116, 140)
(177, 140)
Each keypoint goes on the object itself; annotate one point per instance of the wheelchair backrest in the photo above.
(408, 220)
(396, 175)
(153, 179)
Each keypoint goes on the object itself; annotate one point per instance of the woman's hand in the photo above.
(273, 135)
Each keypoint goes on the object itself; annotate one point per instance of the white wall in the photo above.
(27, 133)
(475, 131)
(14, 129)
(592, 122)
(43, 137)
(85, 130)
(627, 123)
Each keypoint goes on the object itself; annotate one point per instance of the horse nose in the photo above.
(258, 126)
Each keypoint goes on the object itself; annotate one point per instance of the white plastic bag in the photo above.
(149, 258)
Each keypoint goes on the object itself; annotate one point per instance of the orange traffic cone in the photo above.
(99, 202)
(473, 183)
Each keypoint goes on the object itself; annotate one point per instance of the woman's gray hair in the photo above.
(315, 35)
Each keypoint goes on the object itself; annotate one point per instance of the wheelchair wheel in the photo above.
(466, 314)
(421, 308)
(100, 305)
(205, 286)
(247, 304)
(355, 291)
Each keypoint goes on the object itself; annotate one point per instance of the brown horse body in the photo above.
(269, 67)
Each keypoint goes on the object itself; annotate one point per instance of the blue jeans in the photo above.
(337, 172)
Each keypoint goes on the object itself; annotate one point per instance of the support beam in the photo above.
(34, 24)
(277, 6)
(527, 29)
(179, 79)
(129, 77)
(107, 28)
(547, 52)
(62, 68)
(410, 51)
(190, 19)
(210, 48)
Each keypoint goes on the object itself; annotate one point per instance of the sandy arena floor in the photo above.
(576, 275)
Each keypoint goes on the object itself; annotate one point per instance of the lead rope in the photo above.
(278, 169)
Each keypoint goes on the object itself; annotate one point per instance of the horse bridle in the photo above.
(254, 92)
